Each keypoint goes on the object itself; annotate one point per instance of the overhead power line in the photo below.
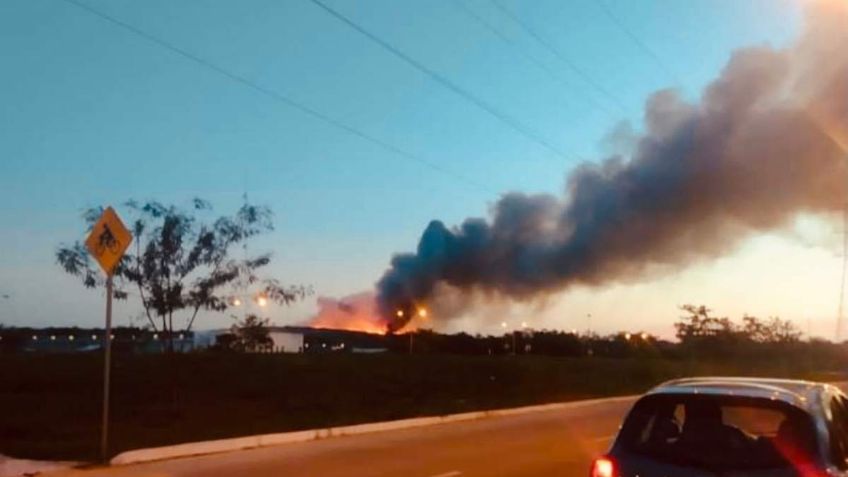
(559, 55)
(279, 97)
(444, 81)
(529, 57)
(636, 40)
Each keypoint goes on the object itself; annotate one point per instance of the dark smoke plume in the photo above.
(765, 143)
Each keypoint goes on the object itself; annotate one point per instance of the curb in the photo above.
(264, 440)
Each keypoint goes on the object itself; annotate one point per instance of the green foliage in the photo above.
(774, 330)
(56, 398)
(250, 335)
(179, 262)
(701, 332)
(699, 325)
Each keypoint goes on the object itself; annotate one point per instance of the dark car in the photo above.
(732, 427)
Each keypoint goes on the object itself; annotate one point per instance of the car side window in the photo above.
(839, 432)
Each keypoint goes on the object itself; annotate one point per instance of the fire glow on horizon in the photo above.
(359, 313)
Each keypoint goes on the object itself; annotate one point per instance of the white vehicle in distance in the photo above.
(708, 427)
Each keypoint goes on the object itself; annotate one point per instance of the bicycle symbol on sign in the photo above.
(107, 242)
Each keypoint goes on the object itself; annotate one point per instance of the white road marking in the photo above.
(453, 473)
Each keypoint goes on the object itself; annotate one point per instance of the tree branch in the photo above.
(144, 303)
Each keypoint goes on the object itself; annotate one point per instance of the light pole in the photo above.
(839, 316)
(422, 314)
(525, 331)
(504, 326)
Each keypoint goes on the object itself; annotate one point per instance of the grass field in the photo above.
(51, 403)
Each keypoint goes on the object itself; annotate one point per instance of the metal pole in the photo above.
(514, 351)
(107, 348)
(840, 314)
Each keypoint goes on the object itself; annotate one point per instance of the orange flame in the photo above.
(352, 313)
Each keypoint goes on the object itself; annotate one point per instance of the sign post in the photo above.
(107, 371)
(107, 242)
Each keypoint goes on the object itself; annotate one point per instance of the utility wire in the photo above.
(291, 103)
(444, 81)
(559, 55)
(529, 57)
(636, 40)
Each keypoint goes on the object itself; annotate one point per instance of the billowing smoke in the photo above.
(765, 143)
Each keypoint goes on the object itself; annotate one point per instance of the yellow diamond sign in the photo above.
(108, 240)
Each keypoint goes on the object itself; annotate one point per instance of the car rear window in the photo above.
(719, 432)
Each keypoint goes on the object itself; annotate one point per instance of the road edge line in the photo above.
(192, 449)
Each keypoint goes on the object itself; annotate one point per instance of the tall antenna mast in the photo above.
(841, 315)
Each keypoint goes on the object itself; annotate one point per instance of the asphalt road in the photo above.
(546, 443)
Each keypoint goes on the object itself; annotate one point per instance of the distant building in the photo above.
(81, 340)
(286, 340)
(321, 340)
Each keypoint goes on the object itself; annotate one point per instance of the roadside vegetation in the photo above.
(51, 402)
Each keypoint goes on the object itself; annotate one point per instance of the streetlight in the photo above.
(262, 301)
(525, 333)
(422, 313)
(504, 325)
(236, 302)
(627, 336)
(644, 336)
(399, 313)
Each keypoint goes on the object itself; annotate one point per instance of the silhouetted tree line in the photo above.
(699, 334)
(698, 326)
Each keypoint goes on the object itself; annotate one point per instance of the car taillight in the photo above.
(603, 467)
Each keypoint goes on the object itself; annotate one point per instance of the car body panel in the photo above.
(809, 397)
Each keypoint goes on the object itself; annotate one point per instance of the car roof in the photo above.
(799, 393)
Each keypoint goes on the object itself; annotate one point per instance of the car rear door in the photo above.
(716, 435)
(837, 424)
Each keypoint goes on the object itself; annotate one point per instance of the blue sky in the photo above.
(93, 114)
